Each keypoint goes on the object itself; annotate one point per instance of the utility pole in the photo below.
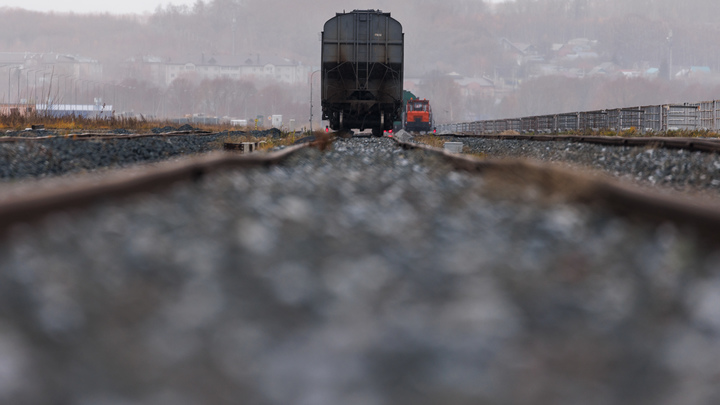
(234, 30)
(311, 98)
(670, 55)
(18, 86)
(9, 70)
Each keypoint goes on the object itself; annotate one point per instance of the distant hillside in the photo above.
(446, 35)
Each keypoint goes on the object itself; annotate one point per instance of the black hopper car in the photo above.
(362, 71)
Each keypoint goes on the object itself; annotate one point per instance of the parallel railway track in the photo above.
(691, 144)
(35, 205)
(101, 136)
(620, 198)
(614, 195)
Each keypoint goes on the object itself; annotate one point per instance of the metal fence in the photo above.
(652, 118)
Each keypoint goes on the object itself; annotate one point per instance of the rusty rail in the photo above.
(606, 193)
(33, 206)
(693, 144)
(103, 136)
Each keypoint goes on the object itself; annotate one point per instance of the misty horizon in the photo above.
(139, 7)
(473, 60)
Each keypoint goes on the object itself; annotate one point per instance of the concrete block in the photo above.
(402, 136)
(453, 147)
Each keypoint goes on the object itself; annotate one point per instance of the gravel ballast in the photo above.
(363, 275)
(62, 156)
(59, 156)
(671, 168)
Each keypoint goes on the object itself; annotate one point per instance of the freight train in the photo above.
(418, 116)
(362, 71)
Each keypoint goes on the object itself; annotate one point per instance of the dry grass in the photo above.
(431, 140)
(265, 142)
(71, 123)
(692, 134)
(479, 155)
(636, 133)
(322, 142)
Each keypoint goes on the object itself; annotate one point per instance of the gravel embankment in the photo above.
(60, 156)
(677, 169)
(365, 275)
(52, 157)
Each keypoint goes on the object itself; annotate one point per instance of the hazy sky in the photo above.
(92, 6)
(101, 6)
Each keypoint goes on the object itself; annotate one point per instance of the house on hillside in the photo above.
(476, 87)
(524, 53)
(469, 86)
(518, 48)
(606, 69)
(578, 48)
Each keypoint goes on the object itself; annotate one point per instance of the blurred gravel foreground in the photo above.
(366, 275)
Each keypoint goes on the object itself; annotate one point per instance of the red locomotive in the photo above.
(418, 116)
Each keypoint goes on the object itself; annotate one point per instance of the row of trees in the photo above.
(459, 35)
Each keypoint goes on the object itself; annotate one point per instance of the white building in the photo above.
(48, 63)
(31, 76)
(233, 67)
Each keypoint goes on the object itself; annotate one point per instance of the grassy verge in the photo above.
(285, 139)
(71, 123)
(16, 122)
(432, 140)
(264, 142)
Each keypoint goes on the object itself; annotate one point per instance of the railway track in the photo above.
(373, 272)
(621, 198)
(675, 168)
(691, 144)
(102, 136)
(80, 194)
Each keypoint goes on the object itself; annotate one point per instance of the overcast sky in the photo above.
(92, 6)
(100, 6)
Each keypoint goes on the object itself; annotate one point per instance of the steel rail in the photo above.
(610, 194)
(693, 144)
(103, 136)
(35, 205)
